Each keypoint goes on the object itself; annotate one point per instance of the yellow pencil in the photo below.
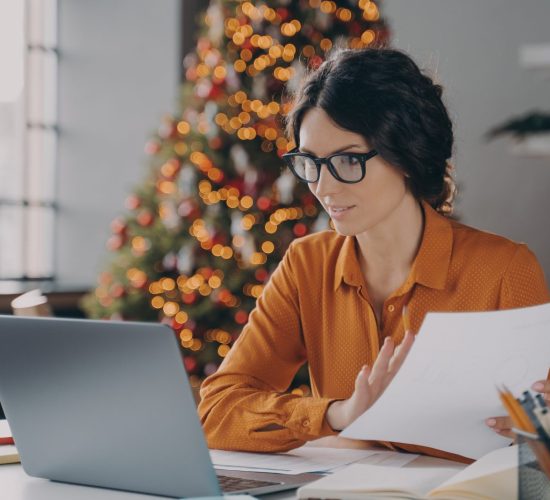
(519, 417)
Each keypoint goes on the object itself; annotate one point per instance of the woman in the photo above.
(374, 139)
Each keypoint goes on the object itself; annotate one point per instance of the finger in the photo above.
(501, 425)
(401, 353)
(506, 433)
(362, 377)
(380, 366)
(542, 386)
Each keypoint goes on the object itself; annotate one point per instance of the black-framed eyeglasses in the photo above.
(345, 167)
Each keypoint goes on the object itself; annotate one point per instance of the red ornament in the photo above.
(145, 218)
(315, 62)
(263, 203)
(115, 242)
(355, 28)
(282, 13)
(190, 363)
(117, 291)
(215, 142)
(118, 226)
(241, 317)
(152, 147)
(308, 199)
(261, 274)
(215, 92)
(189, 298)
(132, 202)
(300, 229)
(175, 325)
(207, 272)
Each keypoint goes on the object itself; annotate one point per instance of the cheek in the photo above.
(312, 186)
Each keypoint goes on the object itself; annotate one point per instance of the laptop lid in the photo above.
(104, 404)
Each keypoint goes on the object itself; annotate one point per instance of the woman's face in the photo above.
(353, 208)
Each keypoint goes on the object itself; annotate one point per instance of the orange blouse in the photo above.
(316, 309)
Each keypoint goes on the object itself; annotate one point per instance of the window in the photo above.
(28, 138)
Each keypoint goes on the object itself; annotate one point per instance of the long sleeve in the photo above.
(246, 394)
(523, 282)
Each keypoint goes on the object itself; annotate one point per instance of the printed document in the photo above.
(446, 387)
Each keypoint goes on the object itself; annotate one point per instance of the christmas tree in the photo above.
(214, 216)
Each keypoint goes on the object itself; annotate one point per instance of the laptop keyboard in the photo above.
(229, 483)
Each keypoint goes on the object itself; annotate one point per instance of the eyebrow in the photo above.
(350, 146)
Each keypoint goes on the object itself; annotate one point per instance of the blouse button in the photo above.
(391, 308)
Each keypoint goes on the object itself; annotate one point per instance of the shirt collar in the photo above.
(430, 266)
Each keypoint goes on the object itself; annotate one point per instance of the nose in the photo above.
(327, 184)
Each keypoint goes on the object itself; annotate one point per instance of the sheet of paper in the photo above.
(446, 390)
(499, 460)
(5, 430)
(386, 458)
(304, 459)
(381, 480)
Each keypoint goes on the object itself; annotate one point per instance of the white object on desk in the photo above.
(5, 430)
(16, 485)
(445, 389)
(304, 459)
(8, 453)
(494, 477)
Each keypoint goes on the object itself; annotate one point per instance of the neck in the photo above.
(391, 246)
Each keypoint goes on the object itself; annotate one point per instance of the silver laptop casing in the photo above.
(103, 403)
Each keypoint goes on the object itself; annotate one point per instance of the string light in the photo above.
(198, 137)
(181, 317)
(157, 302)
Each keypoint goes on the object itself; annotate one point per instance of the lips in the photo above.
(337, 211)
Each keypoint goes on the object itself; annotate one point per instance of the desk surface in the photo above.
(16, 485)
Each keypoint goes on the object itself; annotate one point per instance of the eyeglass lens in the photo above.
(347, 167)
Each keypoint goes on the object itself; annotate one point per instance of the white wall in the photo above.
(474, 47)
(118, 73)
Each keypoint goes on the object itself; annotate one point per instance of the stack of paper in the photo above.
(8, 453)
(305, 459)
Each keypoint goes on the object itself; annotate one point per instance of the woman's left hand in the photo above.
(503, 425)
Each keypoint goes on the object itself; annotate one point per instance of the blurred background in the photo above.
(140, 143)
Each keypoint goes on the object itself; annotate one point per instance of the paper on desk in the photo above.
(8, 453)
(304, 459)
(5, 430)
(445, 389)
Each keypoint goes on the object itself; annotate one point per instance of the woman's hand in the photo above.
(370, 383)
(503, 425)
(543, 386)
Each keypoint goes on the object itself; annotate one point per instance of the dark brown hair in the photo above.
(381, 94)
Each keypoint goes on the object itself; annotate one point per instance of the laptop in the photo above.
(105, 403)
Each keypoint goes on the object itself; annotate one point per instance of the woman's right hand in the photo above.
(370, 383)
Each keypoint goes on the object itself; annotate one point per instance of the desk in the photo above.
(16, 485)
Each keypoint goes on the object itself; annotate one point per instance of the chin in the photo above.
(344, 230)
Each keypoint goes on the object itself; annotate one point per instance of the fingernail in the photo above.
(539, 386)
(491, 422)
